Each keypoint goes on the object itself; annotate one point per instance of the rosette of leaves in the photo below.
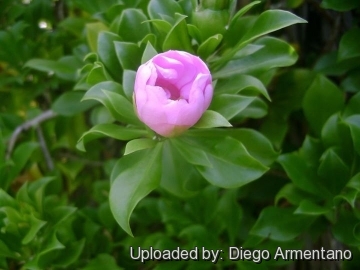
(36, 229)
(242, 59)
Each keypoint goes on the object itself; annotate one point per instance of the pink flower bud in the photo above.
(172, 91)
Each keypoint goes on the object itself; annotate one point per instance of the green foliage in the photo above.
(274, 161)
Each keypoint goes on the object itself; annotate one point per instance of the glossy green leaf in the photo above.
(281, 54)
(255, 143)
(280, 224)
(303, 176)
(92, 32)
(343, 229)
(178, 38)
(130, 25)
(239, 83)
(149, 53)
(190, 153)
(243, 10)
(208, 46)
(230, 105)
(178, 176)
(97, 74)
(256, 109)
(140, 174)
(109, 130)
(232, 165)
(129, 54)
(291, 194)
(349, 46)
(333, 169)
(107, 53)
(123, 106)
(270, 21)
(348, 195)
(128, 83)
(322, 99)
(109, 93)
(70, 103)
(139, 144)
(156, 8)
(354, 124)
(62, 69)
(309, 208)
(211, 119)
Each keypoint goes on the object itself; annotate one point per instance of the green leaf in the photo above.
(109, 130)
(69, 104)
(349, 46)
(281, 54)
(129, 82)
(6, 199)
(178, 37)
(123, 107)
(129, 54)
(322, 99)
(92, 32)
(230, 105)
(111, 95)
(107, 53)
(239, 83)
(232, 165)
(352, 82)
(256, 143)
(62, 69)
(256, 109)
(156, 8)
(71, 254)
(139, 144)
(140, 174)
(348, 195)
(208, 46)
(149, 53)
(243, 10)
(21, 156)
(97, 74)
(162, 26)
(130, 25)
(178, 176)
(343, 229)
(270, 21)
(211, 119)
(191, 154)
(333, 169)
(37, 191)
(355, 182)
(280, 224)
(309, 208)
(35, 226)
(102, 261)
(343, 5)
(303, 176)
(291, 194)
(354, 124)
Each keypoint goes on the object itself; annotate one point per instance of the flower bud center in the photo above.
(171, 91)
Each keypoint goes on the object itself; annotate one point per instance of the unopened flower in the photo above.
(172, 91)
